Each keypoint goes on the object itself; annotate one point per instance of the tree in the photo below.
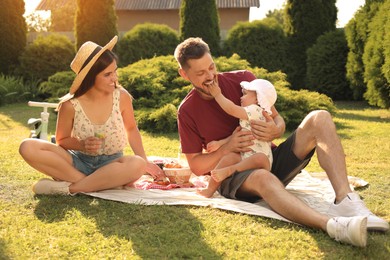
(13, 31)
(262, 43)
(376, 59)
(199, 18)
(62, 18)
(356, 32)
(304, 22)
(326, 61)
(95, 21)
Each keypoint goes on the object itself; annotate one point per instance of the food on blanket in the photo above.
(162, 182)
(178, 175)
(172, 165)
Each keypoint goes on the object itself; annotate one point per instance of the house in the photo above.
(133, 12)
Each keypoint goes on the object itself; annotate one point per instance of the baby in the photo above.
(258, 95)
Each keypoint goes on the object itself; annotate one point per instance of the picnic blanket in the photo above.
(312, 188)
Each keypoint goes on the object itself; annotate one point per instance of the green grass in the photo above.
(82, 227)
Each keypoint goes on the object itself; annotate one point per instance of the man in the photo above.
(201, 120)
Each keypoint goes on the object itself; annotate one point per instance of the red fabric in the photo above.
(201, 121)
(147, 185)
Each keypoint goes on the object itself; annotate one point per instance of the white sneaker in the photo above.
(348, 230)
(351, 206)
(50, 187)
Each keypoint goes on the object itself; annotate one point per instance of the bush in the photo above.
(326, 66)
(294, 105)
(146, 41)
(154, 82)
(13, 90)
(57, 85)
(262, 43)
(157, 89)
(162, 120)
(46, 56)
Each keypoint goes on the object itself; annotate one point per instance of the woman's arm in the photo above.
(133, 134)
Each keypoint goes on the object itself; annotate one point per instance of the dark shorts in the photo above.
(88, 164)
(285, 166)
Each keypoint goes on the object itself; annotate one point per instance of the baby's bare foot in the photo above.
(221, 174)
(207, 193)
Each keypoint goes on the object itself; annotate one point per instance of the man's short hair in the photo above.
(191, 48)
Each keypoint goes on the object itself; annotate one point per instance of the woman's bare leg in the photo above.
(124, 170)
(50, 159)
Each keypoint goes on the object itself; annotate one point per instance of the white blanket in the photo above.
(313, 189)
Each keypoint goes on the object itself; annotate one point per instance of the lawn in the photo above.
(82, 227)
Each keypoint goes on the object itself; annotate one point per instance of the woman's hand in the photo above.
(156, 172)
(92, 144)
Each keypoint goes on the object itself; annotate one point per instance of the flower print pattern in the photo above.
(256, 112)
(113, 129)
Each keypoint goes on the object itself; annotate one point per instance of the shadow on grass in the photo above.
(3, 251)
(353, 116)
(331, 249)
(153, 231)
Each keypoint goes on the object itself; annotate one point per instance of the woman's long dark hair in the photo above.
(105, 59)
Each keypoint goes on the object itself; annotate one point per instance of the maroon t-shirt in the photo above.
(201, 121)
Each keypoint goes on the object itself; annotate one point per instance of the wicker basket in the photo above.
(178, 175)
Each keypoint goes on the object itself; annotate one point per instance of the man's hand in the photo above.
(239, 141)
(265, 131)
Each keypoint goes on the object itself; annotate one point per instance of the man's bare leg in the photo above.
(267, 186)
(318, 130)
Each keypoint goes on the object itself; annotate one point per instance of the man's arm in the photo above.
(203, 163)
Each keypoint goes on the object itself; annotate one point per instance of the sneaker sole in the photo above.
(371, 225)
(381, 227)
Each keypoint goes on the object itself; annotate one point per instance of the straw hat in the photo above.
(265, 91)
(88, 53)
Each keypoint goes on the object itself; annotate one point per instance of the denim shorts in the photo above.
(87, 164)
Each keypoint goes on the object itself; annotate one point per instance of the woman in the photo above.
(95, 122)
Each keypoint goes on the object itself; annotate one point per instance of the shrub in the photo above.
(154, 82)
(162, 120)
(326, 66)
(13, 90)
(294, 105)
(46, 56)
(157, 88)
(146, 41)
(262, 43)
(57, 85)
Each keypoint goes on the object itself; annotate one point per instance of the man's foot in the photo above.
(50, 187)
(220, 174)
(348, 230)
(351, 206)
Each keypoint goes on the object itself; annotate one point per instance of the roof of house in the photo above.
(151, 4)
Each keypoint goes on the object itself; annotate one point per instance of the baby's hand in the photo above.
(213, 87)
